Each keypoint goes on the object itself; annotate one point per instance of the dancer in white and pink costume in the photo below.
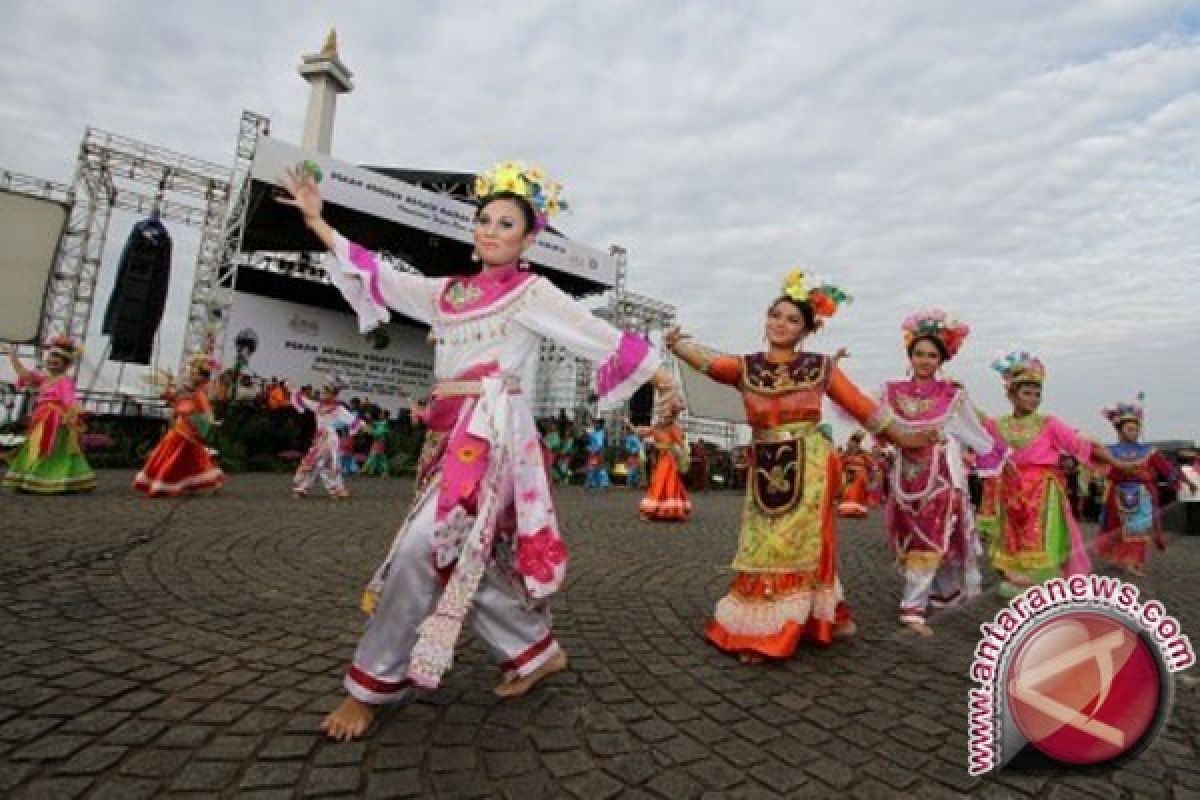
(482, 536)
(323, 459)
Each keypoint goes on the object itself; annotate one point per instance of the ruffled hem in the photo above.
(781, 642)
(210, 479)
(771, 614)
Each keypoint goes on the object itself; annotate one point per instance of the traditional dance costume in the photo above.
(377, 460)
(1033, 533)
(180, 462)
(666, 499)
(856, 469)
(562, 459)
(633, 460)
(323, 459)
(1131, 504)
(929, 521)
(877, 477)
(482, 535)
(51, 460)
(787, 587)
(348, 463)
(597, 471)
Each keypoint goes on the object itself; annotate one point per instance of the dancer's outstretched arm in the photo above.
(696, 356)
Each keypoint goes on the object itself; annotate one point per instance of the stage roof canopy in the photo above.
(421, 216)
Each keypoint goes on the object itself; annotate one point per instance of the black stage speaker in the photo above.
(139, 294)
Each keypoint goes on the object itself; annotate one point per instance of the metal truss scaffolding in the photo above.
(115, 171)
(220, 247)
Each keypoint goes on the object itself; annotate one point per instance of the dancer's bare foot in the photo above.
(350, 720)
(918, 627)
(844, 629)
(750, 658)
(519, 686)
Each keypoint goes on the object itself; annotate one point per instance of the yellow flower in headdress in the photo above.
(795, 286)
(529, 182)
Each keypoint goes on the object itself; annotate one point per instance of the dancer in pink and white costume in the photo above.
(482, 535)
(324, 456)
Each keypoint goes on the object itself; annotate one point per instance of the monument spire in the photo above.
(328, 77)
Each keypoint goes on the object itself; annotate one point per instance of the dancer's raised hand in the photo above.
(302, 193)
(673, 336)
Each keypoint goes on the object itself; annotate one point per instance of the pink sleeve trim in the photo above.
(364, 260)
(298, 401)
(622, 373)
(988, 465)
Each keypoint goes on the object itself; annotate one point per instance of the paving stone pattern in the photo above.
(189, 648)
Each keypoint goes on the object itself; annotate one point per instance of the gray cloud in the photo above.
(1032, 167)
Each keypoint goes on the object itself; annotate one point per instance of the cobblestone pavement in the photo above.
(190, 648)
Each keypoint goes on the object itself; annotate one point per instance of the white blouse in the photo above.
(506, 331)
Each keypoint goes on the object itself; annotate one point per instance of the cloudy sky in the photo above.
(1033, 166)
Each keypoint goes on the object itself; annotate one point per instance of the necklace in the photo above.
(1020, 431)
(916, 398)
(461, 294)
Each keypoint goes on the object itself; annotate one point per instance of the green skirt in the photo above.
(63, 470)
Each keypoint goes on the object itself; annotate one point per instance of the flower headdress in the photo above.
(527, 181)
(821, 296)
(1020, 367)
(936, 324)
(1124, 412)
(204, 361)
(65, 347)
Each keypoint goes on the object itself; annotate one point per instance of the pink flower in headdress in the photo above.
(540, 554)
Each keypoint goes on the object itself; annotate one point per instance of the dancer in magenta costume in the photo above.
(1033, 534)
(482, 535)
(928, 515)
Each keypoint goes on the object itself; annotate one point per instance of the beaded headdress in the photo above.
(524, 180)
(64, 347)
(1124, 412)
(936, 324)
(821, 296)
(1020, 367)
